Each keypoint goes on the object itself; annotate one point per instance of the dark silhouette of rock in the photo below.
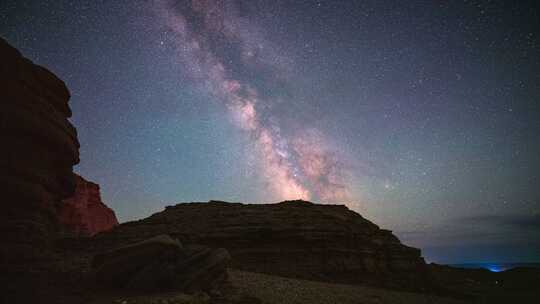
(84, 213)
(161, 263)
(39, 149)
(293, 238)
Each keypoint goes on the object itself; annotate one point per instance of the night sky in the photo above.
(423, 116)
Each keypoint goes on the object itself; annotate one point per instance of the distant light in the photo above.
(495, 268)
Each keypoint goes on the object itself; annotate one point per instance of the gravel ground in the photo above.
(278, 290)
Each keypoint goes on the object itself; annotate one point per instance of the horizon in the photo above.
(423, 117)
(476, 263)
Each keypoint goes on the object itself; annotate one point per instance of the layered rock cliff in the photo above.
(293, 238)
(84, 213)
(39, 149)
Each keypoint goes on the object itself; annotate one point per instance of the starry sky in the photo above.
(423, 116)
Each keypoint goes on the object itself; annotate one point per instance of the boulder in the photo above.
(161, 263)
(84, 214)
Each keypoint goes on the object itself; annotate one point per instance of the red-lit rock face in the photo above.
(84, 213)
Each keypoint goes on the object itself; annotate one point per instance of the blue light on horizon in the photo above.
(495, 268)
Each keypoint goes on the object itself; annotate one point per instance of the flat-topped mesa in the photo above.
(291, 238)
(84, 213)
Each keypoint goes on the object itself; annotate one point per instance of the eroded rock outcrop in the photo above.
(39, 149)
(293, 238)
(84, 213)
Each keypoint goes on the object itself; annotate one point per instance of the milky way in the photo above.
(422, 116)
(299, 168)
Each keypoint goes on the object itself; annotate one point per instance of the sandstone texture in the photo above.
(293, 238)
(84, 213)
(39, 149)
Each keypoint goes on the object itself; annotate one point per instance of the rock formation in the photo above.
(161, 263)
(293, 238)
(84, 213)
(39, 149)
(39, 200)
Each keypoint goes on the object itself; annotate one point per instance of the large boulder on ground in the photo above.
(84, 213)
(161, 263)
(294, 238)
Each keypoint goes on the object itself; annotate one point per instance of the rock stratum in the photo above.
(293, 238)
(39, 150)
(84, 213)
(40, 147)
